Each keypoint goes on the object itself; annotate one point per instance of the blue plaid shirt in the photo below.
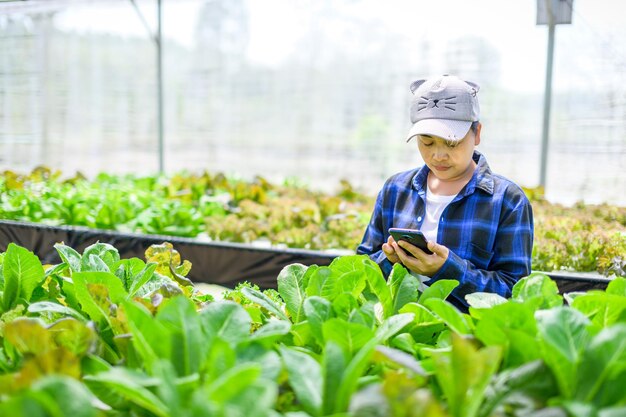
(488, 228)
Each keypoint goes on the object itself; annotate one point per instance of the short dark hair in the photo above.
(474, 126)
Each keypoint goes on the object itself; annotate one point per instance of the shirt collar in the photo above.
(481, 179)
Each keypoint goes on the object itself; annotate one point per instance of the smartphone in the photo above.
(414, 237)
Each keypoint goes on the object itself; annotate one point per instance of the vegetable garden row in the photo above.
(96, 335)
(220, 209)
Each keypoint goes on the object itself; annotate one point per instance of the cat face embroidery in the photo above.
(442, 103)
(437, 97)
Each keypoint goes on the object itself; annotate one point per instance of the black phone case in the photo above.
(414, 237)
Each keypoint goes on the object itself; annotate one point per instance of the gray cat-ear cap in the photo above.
(443, 106)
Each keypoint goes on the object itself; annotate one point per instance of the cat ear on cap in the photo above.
(476, 86)
(416, 84)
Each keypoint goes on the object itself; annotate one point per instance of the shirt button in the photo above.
(419, 219)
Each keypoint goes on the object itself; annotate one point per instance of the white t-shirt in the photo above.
(435, 204)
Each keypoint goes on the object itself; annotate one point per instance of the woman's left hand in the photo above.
(421, 262)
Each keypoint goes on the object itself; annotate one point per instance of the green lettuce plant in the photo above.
(97, 335)
(578, 238)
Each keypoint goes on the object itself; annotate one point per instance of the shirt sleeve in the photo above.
(511, 258)
(374, 238)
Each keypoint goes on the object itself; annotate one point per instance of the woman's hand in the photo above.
(390, 252)
(420, 262)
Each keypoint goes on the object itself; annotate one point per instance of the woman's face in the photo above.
(449, 161)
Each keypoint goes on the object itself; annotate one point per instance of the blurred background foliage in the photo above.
(309, 89)
(583, 237)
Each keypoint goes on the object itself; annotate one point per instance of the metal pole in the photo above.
(159, 46)
(547, 98)
(160, 86)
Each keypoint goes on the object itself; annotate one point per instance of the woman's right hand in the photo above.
(390, 252)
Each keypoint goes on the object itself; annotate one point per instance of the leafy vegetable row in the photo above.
(580, 238)
(205, 206)
(101, 336)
